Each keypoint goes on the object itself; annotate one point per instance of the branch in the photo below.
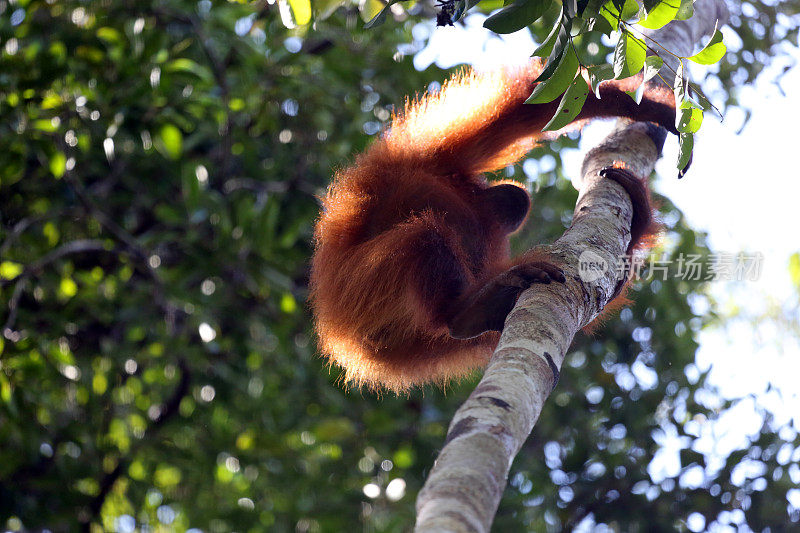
(169, 409)
(13, 306)
(464, 488)
(21, 226)
(72, 247)
(32, 269)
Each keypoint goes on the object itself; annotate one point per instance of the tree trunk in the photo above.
(463, 490)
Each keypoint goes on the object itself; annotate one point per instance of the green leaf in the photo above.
(404, 457)
(686, 10)
(661, 14)
(301, 9)
(546, 48)
(570, 8)
(462, 6)
(598, 74)
(51, 101)
(794, 269)
(137, 471)
(711, 52)
(380, 17)
(51, 233)
(562, 41)
(44, 124)
(459, 7)
(110, 35)
(570, 105)
(701, 98)
(686, 144)
(616, 10)
(561, 78)
(10, 270)
(590, 7)
(681, 85)
(600, 24)
(166, 476)
(68, 288)
(171, 140)
(516, 16)
(629, 9)
(629, 55)
(335, 429)
(294, 13)
(5, 388)
(99, 383)
(690, 117)
(288, 303)
(58, 164)
(652, 64)
(326, 8)
(183, 64)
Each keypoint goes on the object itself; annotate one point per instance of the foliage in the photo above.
(159, 162)
(762, 30)
(571, 37)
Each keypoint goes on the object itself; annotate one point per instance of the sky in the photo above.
(742, 190)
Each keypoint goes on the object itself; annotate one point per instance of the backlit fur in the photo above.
(406, 234)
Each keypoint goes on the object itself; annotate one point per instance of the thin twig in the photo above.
(13, 304)
(72, 247)
(20, 227)
(32, 269)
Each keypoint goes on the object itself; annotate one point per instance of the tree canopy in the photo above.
(159, 167)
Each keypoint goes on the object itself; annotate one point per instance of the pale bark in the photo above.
(464, 487)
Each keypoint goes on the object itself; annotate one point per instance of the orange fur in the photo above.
(412, 243)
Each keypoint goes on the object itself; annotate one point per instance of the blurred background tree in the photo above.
(159, 162)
